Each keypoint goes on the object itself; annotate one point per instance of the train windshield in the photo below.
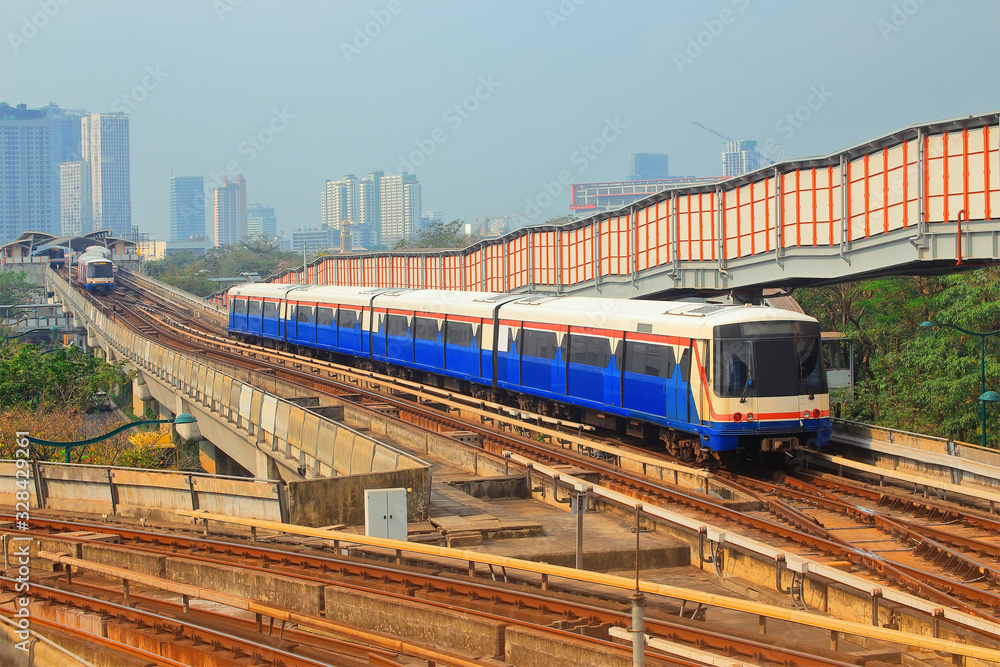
(99, 270)
(768, 359)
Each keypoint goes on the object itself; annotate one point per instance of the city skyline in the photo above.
(493, 131)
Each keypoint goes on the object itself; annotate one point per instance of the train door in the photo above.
(588, 369)
(645, 378)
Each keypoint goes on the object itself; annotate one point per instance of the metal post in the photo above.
(580, 500)
(638, 632)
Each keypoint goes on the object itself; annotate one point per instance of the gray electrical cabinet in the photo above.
(385, 513)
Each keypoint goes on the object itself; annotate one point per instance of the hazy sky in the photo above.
(488, 103)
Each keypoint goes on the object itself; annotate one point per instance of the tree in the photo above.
(14, 288)
(195, 274)
(908, 380)
(439, 235)
(67, 379)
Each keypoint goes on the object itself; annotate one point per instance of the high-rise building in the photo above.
(383, 209)
(739, 158)
(401, 207)
(231, 211)
(344, 200)
(262, 222)
(105, 146)
(33, 143)
(370, 204)
(333, 204)
(25, 177)
(75, 198)
(187, 208)
(648, 166)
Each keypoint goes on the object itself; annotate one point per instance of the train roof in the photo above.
(665, 317)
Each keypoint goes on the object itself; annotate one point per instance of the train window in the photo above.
(685, 364)
(459, 333)
(270, 309)
(649, 359)
(732, 368)
(540, 344)
(425, 328)
(100, 270)
(253, 309)
(304, 314)
(589, 350)
(324, 316)
(240, 307)
(397, 326)
(347, 319)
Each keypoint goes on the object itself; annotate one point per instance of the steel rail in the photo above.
(515, 600)
(756, 608)
(139, 618)
(874, 566)
(805, 534)
(883, 496)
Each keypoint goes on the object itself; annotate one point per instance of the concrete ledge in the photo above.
(527, 647)
(444, 628)
(121, 557)
(275, 589)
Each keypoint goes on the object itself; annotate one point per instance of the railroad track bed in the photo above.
(796, 527)
(142, 609)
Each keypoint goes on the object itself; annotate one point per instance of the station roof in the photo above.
(38, 241)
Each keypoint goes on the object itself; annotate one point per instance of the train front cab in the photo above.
(99, 276)
(768, 387)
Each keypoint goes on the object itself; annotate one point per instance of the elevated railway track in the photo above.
(809, 522)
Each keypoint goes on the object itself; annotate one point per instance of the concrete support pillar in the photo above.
(207, 456)
(142, 398)
(165, 412)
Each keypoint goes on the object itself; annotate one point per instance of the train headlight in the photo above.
(807, 415)
(737, 416)
(749, 417)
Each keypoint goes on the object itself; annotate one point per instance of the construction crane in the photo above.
(719, 134)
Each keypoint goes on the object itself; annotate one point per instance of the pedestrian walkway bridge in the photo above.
(925, 199)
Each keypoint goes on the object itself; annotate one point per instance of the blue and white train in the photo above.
(95, 270)
(709, 380)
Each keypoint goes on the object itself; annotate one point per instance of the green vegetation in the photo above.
(58, 396)
(909, 378)
(14, 288)
(67, 379)
(194, 274)
(438, 235)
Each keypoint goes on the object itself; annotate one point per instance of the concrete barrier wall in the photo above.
(341, 500)
(264, 417)
(951, 461)
(153, 494)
